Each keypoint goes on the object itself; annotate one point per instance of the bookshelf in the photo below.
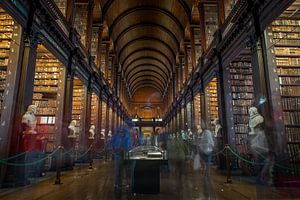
(48, 72)
(6, 39)
(94, 43)
(77, 107)
(228, 4)
(286, 35)
(81, 20)
(198, 47)
(61, 4)
(241, 82)
(197, 115)
(103, 50)
(211, 93)
(211, 22)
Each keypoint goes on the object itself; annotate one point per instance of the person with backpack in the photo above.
(119, 142)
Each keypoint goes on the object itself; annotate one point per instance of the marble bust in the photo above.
(217, 128)
(72, 129)
(102, 134)
(29, 120)
(255, 121)
(92, 132)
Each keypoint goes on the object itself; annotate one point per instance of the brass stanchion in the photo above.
(58, 166)
(229, 180)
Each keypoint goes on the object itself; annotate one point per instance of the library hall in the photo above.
(149, 99)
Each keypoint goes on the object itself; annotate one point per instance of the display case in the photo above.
(146, 153)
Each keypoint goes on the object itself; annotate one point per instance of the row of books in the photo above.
(244, 95)
(288, 61)
(240, 120)
(288, 71)
(291, 118)
(242, 87)
(241, 77)
(290, 80)
(292, 134)
(45, 103)
(290, 90)
(291, 103)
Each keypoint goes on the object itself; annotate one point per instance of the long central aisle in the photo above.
(85, 184)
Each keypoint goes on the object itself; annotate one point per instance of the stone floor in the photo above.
(87, 184)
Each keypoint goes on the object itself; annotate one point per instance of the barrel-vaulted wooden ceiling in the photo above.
(147, 35)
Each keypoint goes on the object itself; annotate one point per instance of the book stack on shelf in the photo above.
(212, 102)
(197, 104)
(6, 34)
(61, 4)
(103, 53)
(94, 43)
(94, 109)
(81, 20)
(103, 122)
(189, 52)
(241, 82)
(286, 34)
(211, 22)
(48, 71)
(198, 47)
(229, 4)
(77, 107)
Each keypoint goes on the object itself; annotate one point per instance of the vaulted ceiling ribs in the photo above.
(147, 36)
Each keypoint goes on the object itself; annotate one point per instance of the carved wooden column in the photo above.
(83, 135)
(203, 106)
(107, 118)
(100, 117)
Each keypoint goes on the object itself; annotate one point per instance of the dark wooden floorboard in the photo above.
(85, 184)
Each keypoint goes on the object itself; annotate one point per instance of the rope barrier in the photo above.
(219, 152)
(30, 163)
(15, 156)
(85, 152)
(255, 163)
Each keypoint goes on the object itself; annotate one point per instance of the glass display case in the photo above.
(146, 153)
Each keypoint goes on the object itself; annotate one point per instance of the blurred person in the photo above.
(258, 144)
(206, 146)
(180, 151)
(118, 145)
